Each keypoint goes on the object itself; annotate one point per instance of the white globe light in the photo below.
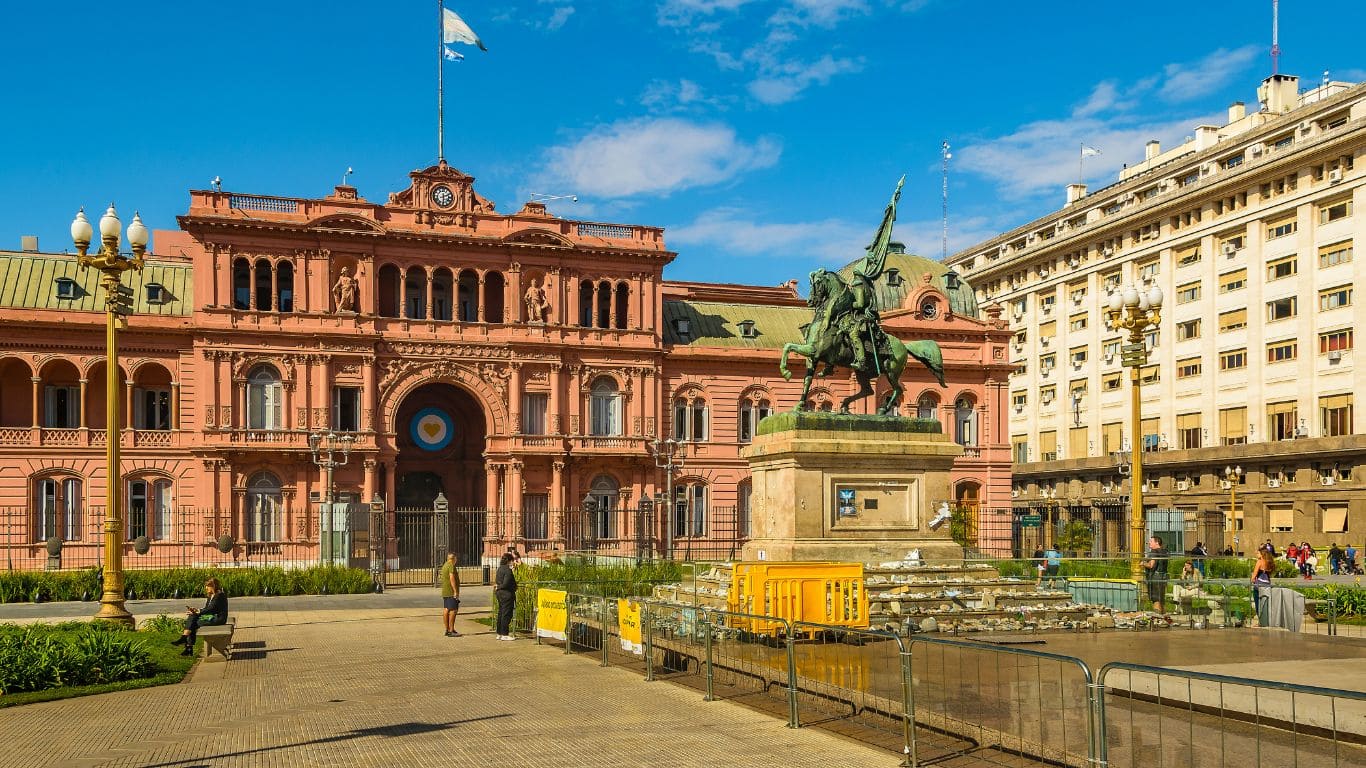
(137, 232)
(1131, 297)
(1143, 302)
(1116, 301)
(81, 231)
(109, 223)
(1155, 297)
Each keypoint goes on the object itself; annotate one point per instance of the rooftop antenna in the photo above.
(347, 175)
(1275, 36)
(946, 155)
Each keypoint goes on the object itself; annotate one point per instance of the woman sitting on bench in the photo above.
(214, 612)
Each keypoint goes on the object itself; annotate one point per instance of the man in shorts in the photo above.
(450, 594)
(1156, 568)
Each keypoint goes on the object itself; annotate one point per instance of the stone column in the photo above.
(251, 286)
(84, 423)
(431, 277)
(556, 523)
(576, 426)
(479, 301)
(370, 417)
(571, 299)
(175, 406)
(512, 295)
(513, 492)
(275, 287)
(612, 319)
(491, 495)
(368, 483)
(303, 275)
(515, 396)
(556, 417)
(322, 398)
(127, 404)
(37, 402)
(391, 482)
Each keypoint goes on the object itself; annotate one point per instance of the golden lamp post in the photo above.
(1134, 311)
(117, 304)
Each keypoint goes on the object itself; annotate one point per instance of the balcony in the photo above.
(607, 444)
(87, 438)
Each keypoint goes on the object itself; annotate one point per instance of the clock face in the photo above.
(929, 310)
(443, 196)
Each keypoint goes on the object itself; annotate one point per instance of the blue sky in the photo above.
(764, 135)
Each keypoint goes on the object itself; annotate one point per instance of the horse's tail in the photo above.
(928, 352)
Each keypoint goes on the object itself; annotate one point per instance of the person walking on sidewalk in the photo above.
(1156, 568)
(450, 594)
(505, 590)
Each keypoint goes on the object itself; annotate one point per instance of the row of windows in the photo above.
(59, 510)
(62, 407)
(1283, 423)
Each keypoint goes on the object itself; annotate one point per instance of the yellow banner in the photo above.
(628, 626)
(551, 615)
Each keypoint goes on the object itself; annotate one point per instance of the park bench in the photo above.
(217, 638)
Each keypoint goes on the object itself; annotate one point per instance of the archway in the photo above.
(441, 433)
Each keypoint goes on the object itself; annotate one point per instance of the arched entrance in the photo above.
(441, 433)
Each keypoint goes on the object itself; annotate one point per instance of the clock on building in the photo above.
(442, 196)
(929, 310)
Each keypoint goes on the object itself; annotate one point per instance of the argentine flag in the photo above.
(450, 55)
(455, 30)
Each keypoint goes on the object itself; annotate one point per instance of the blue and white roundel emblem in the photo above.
(432, 429)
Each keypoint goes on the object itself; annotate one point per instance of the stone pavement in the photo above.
(376, 684)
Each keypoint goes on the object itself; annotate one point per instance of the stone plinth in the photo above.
(848, 488)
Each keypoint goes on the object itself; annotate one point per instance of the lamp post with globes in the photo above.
(325, 446)
(1135, 311)
(112, 264)
(669, 455)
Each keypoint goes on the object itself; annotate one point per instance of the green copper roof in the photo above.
(717, 324)
(962, 300)
(29, 281)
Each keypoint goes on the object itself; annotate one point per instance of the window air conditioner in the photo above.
(1335, 176)
(1183, 485)
(1043, 341)
(1225, 484)
(1077, 298)
(1074, 263)
(1043, 271)
(1229, 249)
(1014, 493)
(1335, 356)
(1327, 480)
(1107, 252)
(1255, 149)
(1273, 482)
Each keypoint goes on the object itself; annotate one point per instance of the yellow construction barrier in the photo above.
(821, 593)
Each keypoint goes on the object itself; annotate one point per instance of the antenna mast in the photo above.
(944, 151)
(1275, 36)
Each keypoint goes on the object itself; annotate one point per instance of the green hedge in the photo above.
(42, 586)
(583, 576)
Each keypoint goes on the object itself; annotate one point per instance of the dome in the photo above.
(909, 268)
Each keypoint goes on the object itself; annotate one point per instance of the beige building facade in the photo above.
(1249, 420)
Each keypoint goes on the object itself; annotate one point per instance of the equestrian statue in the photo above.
(845, 329)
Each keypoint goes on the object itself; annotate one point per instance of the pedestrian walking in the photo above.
(1335, 559)
(1262, 571)
(505, 590)
(450, 594)
(1200, 553)
(1156, 568)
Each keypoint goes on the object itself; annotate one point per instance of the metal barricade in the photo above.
(1156, 717)
(1000, 704)
(856, 681)
(740, 664)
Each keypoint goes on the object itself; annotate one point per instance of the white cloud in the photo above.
(1102, 97)
(654, 156)
(666, 95)
(821, 13)
(559, 16)
(831, 242)
(680, 13)
(1185, 82)
(784, 81)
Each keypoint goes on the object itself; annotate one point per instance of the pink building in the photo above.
(514, 362)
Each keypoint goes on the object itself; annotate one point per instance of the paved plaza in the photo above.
(368, 680)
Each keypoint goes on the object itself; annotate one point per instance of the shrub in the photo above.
(37, 657)
(21, 586)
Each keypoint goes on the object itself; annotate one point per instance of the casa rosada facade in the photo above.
(516, 362)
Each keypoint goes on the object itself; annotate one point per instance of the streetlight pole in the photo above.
(1134, 311)
(117, 304)
(1232, 473)
(324, 446)
(669, 456)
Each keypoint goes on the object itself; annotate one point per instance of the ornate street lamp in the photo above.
(118, 304)
(1232, 474)
(1134, 311)
(644, 541)
(325, 446)
(669, 456)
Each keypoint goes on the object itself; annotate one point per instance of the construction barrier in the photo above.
(832, 594)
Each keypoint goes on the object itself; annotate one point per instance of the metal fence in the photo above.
(1095, 528)
(948, 701)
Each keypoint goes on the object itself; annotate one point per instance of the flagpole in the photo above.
(440, 86)
(1081, 155)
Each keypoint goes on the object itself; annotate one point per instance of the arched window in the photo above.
(415, 294)
(443, 285)
(241, 284)
(586, 304)
(263, 287)
(751, 413)
(690, 419)
(604, 408)
(965, 421)
(690, 508)
(467, 298)
(604, 319)
(927, 407)
(494, 287)
(606, 492)
(623, 304)
(58, 508)
(264, 399)
(149, 509)
(390, 291)
(263, 511)
(284, 279)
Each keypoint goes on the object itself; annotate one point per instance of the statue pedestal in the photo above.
(849, 488)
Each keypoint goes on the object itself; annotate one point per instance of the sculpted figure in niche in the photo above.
(344, 292)
(537, 305)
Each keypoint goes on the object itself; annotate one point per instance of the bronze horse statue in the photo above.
(826, 345)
